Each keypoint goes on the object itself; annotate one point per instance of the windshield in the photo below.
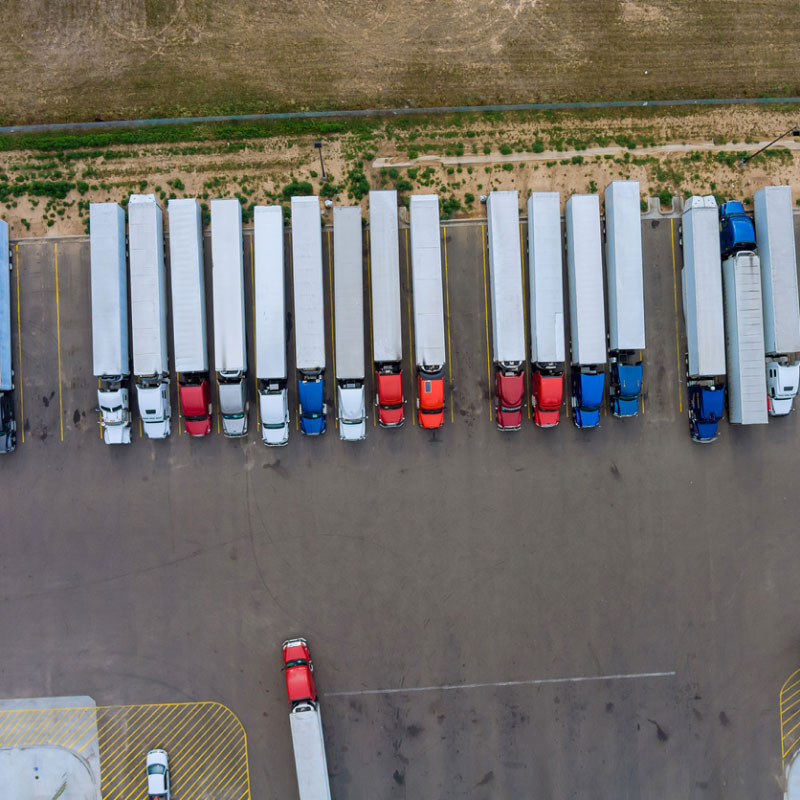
(296, 662)
(274, 426)
(156, 769)
(232, 416)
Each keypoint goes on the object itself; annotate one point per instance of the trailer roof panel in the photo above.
(6, 370)
(385, 276)
(270, 296)
(348, 276)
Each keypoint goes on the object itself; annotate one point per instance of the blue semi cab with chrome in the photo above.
(736, 231)
(311, 392)
(587, 396)
(706, 404)
(625, 384)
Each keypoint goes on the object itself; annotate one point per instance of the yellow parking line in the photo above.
(447, 317)
(333, 334)
(486, 320)
(140, 428)
(371, 340)
(219, 412)
(525, 323)
(19, 360)
(410, 345)
(255, 352)
(675, 298)
(58, 341)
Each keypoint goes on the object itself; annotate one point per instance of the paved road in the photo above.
(172, 571)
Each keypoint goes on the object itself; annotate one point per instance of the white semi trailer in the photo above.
(149, 313)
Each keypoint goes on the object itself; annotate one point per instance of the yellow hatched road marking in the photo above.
(410, 345)
(675, 297)
(788, 700)
(447, 316)
(486, 320)
(19, 360)
(58, 341)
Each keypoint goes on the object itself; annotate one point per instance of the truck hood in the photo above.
(274, 418)
(192, 401)
(156, 430)
(351, 405)
(117, 434)
(704, 431)
(625, 406)
(551, 391)
(312, 426)
(113, 406)
(587, 418)
(711, 405)
(630, 380)
(311, 395)
(510, 390)
(234, 426)
(590, 389)
(152, 407)
(390, 389)
(231, 399)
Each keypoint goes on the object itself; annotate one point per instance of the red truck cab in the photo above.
(430, 399)
(196, 408)
(389, 383)
(298, 669)
(546, 397)
(509, 391)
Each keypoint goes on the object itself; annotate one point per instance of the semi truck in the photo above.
(701, 287)
(309, 313)
(508, 319)
(270, 305)
(110, 354)
(744, 339)
(230, 346)
(776, 249)
(545, 254)
(149, 313)
(387, 338)
(189, 314)
(586, 308)
(736, 230)
(623, 233)
(8, 425)
(426, 279)
(348, 281)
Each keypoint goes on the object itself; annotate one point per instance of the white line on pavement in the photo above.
(534, 682)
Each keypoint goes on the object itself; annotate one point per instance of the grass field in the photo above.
(73, 60)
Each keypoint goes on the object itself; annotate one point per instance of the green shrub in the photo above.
(506, 149)
(178, 184)
(403, 185)
(83, 187)
(296, 188)
(665, 197)
(508, 167)
(469, 198)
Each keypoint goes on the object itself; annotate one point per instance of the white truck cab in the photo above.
(115, 415)
(782, 383)
(274, 408)
(154, 409)
(352, 412)
(233, 406)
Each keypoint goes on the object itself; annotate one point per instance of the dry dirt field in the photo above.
(459, 157)
(77, 60)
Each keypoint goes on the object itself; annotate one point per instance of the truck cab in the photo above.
(8, 425)
(625, 386)
(430, 399)
(389, 396)
(546, 396)
(736, 231)
(311, 391)
(509, 393)
(706, 404)
(782, 383)
(112, 400)
(273, 403)
(232, 404)
(196, 406)
(352, 411)
(154, 408)
(587, 396)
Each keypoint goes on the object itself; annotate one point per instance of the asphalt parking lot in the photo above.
(619, 603)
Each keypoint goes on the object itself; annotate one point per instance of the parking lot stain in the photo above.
(662, 734)
(46, 400)
(614, 469)
(487, 778)
(399, 778)
(76, 417)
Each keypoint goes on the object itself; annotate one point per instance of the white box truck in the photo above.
(309, 313)
(230, 348)
(586, 308)
(8, 425)
(149, 313)
(744, 338)
(508, 318)
(348, 281)
(545, 254)
(776, 250)
(189, 314)
(311, 764)
(270, 302)
(387, 335)
(701, 287)
(624, 271)
(428, 295)
(110, 354)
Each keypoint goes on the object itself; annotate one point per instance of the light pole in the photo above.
(792, 131)
(318, 145)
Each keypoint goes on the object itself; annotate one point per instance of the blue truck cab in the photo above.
(736, 231)
(587, 396)
(625, 387)
(311, 392)
(706, 404)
